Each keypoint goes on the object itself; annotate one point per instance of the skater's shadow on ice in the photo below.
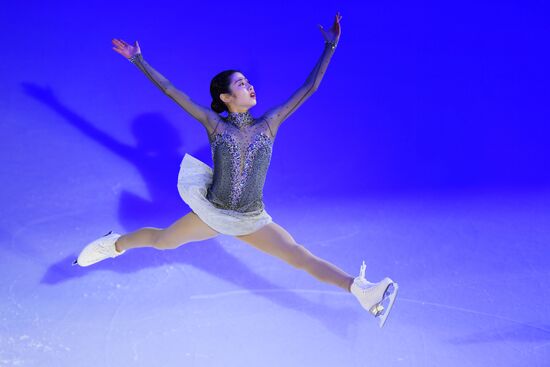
(156, 156)
(209, 256)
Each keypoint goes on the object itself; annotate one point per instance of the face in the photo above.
(242, 95)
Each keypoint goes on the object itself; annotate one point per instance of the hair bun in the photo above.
(216, 107)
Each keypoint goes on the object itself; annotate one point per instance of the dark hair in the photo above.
(220, 84)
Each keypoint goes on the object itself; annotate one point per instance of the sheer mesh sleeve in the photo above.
(277, 115)
(207, 117)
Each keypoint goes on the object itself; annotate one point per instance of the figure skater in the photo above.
(228, 199)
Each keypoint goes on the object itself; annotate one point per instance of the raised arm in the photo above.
(207, 117)
(277, 115)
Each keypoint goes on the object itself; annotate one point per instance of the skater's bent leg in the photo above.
(189, 228)
(276, 241)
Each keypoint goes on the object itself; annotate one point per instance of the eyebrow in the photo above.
(239, 80)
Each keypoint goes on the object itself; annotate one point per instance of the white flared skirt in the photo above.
(194, 179)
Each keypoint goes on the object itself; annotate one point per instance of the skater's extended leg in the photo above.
(276, 241)
(189, 228)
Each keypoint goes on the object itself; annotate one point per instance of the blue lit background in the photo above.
(423, 152)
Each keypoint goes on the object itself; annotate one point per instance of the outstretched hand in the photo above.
(126, 49)
(333, 34)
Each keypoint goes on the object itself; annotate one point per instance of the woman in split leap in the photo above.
(228, 199)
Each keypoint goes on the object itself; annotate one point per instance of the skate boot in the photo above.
(377, 298)
(98, 250)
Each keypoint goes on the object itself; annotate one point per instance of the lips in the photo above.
(252, 95)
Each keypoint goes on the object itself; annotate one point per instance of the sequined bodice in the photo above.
(241, 152)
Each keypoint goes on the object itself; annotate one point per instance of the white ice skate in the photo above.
(377, 298)
(98, 250)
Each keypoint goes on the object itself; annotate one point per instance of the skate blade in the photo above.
(387, 303)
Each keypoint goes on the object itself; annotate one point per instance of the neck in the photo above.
(238, 110)
(240, 119)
